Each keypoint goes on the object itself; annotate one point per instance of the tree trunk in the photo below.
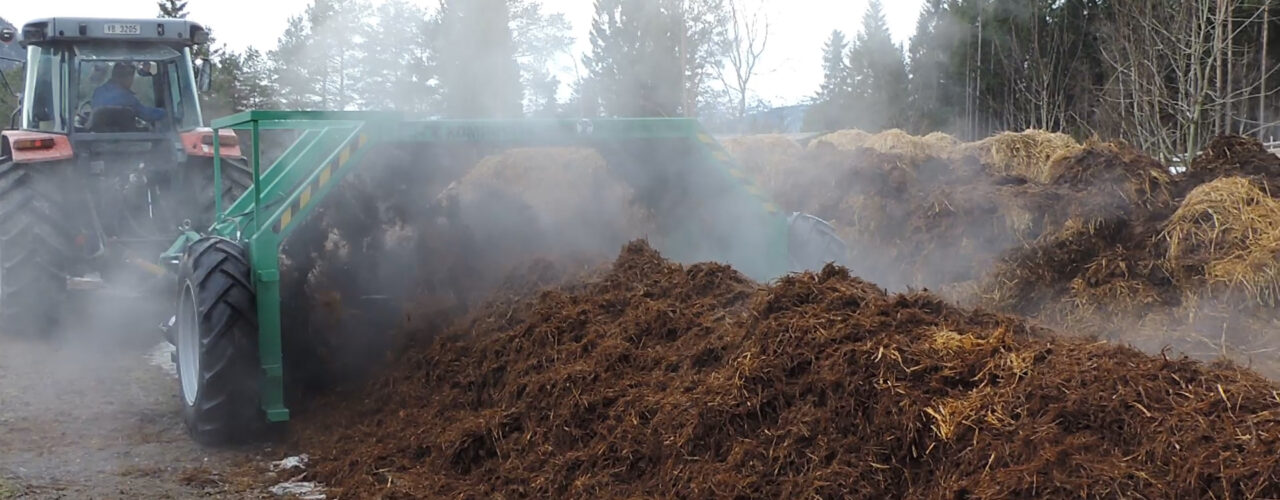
(1262, 91)
(968, 94)
(1230, 118)
(1199, 88)
(1217, 62)
(685, 77)
(978, 93)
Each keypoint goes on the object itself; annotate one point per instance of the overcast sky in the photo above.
(792, 66)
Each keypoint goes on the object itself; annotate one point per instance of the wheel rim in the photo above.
(188, 345)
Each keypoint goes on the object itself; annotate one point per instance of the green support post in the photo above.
(217, 176)
(264, 255)
(257, 177)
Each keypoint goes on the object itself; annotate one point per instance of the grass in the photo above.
(8, 489)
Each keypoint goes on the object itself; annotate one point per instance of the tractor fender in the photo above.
(199, 142)
(60, 149)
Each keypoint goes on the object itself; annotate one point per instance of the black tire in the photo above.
(37, 246)
(237, 178)
(217, 344)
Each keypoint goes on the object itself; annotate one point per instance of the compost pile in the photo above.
(1233, 155)
(1095, 238)
(657, 379)
(422, 236)
(889, 141)
(767, 157)
(1027, 154)
(1190, 265)
(540, 202)
(928, 211)
(1112, 200)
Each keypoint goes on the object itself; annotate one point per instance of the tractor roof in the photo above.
(59, 29)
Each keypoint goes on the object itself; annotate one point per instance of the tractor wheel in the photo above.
(217, 343)
(36, 246)
(237, 178)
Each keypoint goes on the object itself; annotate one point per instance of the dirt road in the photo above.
(86, 415)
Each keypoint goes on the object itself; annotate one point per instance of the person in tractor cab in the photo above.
(117, 92)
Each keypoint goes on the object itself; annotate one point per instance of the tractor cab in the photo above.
(105, 160)
(99, 76)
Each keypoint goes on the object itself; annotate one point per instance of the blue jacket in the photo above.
(111, 94)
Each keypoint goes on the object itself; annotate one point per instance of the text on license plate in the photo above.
(122, 29)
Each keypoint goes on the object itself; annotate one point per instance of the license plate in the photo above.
(122, 29)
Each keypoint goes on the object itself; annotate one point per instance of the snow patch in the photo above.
(307, 490)
(162, 356)
(298, 462)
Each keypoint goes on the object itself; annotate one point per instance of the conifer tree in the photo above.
(833, 94)
(478, 69)
(398, 61)
(172, 9)
(654, 57)
(878, 74)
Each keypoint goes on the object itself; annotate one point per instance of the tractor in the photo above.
(102, 198)
(104, 160)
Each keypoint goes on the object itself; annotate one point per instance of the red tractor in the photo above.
(105, 161)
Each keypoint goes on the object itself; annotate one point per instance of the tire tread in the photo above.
(37, 245)
(227, 403)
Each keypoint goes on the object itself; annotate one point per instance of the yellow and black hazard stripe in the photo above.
(326, 174)
(718, 152)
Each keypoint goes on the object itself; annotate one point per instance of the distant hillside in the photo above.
(9, 50)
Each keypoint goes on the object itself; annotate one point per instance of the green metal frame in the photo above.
(332, 144)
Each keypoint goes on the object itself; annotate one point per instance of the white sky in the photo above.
(791, 67)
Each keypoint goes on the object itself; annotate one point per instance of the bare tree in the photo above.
(700, 29)
(747, 39)
(1262, 62)
(1183, 71)
(1036, 54)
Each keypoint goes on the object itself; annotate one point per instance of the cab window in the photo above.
(44, 101)
(94, 74)
(181, 83)
(144, 86)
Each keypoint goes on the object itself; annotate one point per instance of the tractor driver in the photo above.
(118, 92)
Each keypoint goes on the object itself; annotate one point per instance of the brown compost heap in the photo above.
(926, 212)
(420, 236)
(1095, 238)
(649, 378)
(654, 379)
(1191, 265)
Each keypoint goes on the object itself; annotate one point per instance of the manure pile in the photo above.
(531, 202)
(1027, 154)
(1095, 238)
(421, 236)
(930, 212)
(657, 379)
(1187, 262)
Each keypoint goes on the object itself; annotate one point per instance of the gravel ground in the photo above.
(89, 413)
